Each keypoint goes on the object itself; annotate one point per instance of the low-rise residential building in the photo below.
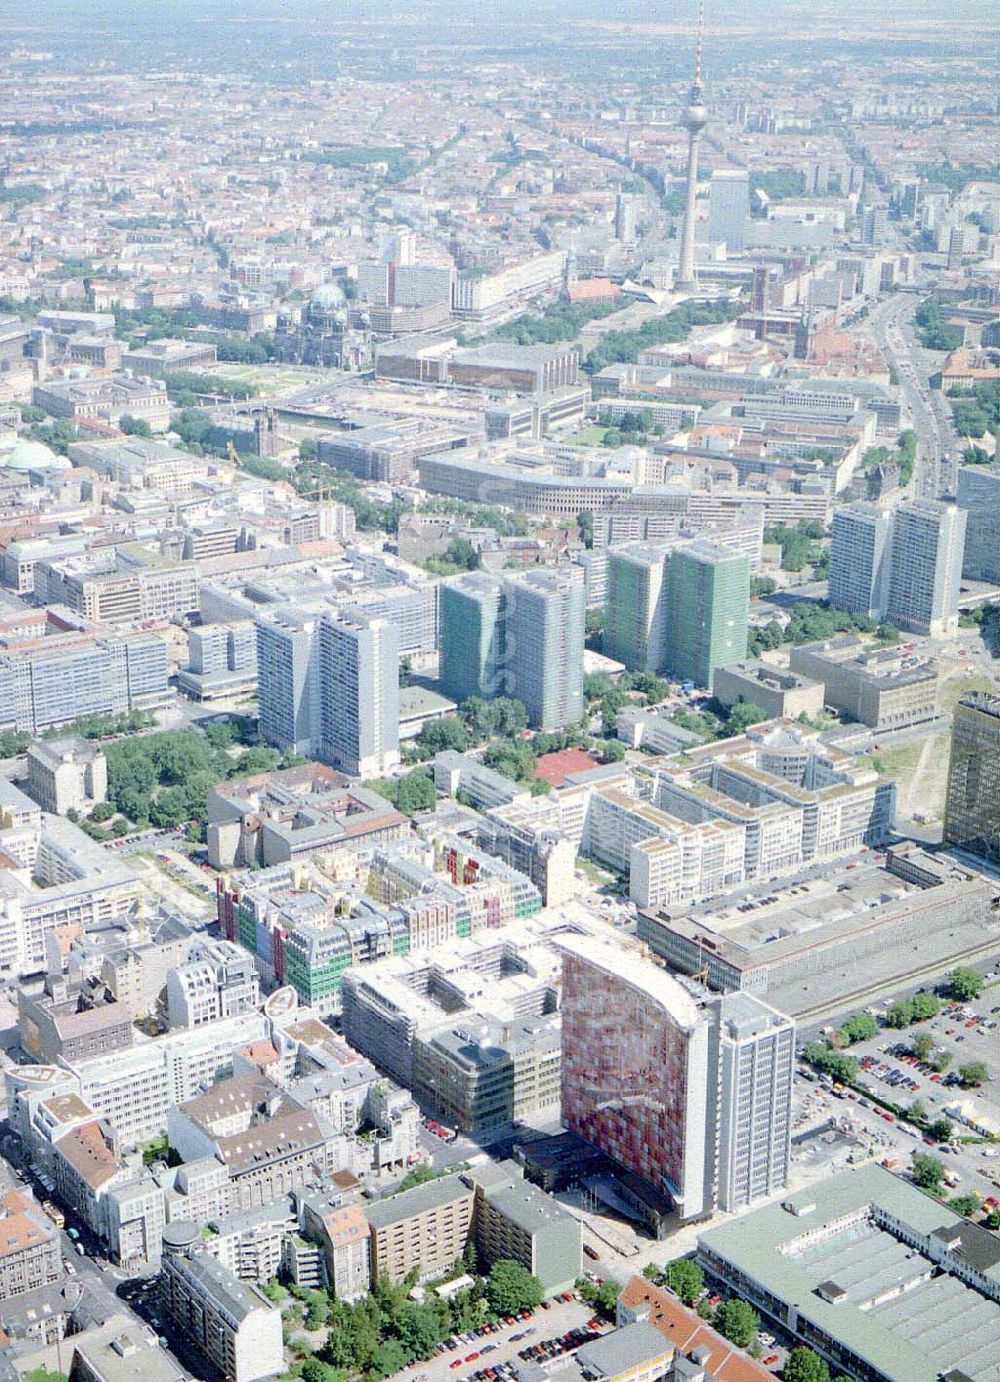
(219, 980)
(105, 399)
(229, 1321)
(30, 1251)
(58, 878)
(516, 1220)
(633, 1353)
(119, 1354)
(343, 1236)
(424, 1230)
(698, 1353)
(272, 818)
(70, 1021)
(67, 774)
(269, 1141)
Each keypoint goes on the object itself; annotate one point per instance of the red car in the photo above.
(456, 1364)
(771, 1358)
(472, 1357)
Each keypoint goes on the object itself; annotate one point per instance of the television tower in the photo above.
(694, 120)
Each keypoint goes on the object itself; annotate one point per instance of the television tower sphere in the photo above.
(695, 116)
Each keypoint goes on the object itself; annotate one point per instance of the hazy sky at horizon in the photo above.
(13, 13)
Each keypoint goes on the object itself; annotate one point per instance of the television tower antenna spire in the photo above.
(700, 44)
(694, 120)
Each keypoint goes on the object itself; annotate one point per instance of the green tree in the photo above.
(744, 714)
(585, 522)
(966, 1205)
(416, 792)
(965, 983)
(928, 1171)
(13, 743)
(511, 715)
(257, 759)
(900, 1013)
(308, 449)
(606, 1299)
(685, 1278)
(972, 1074)
(510, 1288)
(922, 1045)
(917, 1112)
(802, 1365)
(418, 1176)
(612, 751)
(932, 331)
(315, 1370)
(940, 1129)
(762, 585)
(316, 1310)
(738, 1322)
(134, 426)
(446, 733)
(861, 1027)
(419, 1328)
(169, 808)
(832, 1063)
(925, 1005)
(389, 1357)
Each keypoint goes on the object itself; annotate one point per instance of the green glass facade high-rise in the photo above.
(472, 637)
(545, 616)
(520, 636)
(635, 609)
(708, 601)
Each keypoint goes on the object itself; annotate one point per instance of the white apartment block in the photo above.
(231, 1322)
(61, 878)
(218, 981)
(756, 1063)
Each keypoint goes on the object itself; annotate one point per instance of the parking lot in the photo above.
(498, 1352)
(967, 1032)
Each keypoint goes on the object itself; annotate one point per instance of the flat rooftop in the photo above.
(632, 968)
(762, 928)
(840, 1259)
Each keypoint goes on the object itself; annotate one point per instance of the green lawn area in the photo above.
(594, 871)
(587, 436)
(267, 379)
(896, 763)
(956, 687)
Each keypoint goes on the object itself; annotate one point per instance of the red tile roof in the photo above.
(683, 1328)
